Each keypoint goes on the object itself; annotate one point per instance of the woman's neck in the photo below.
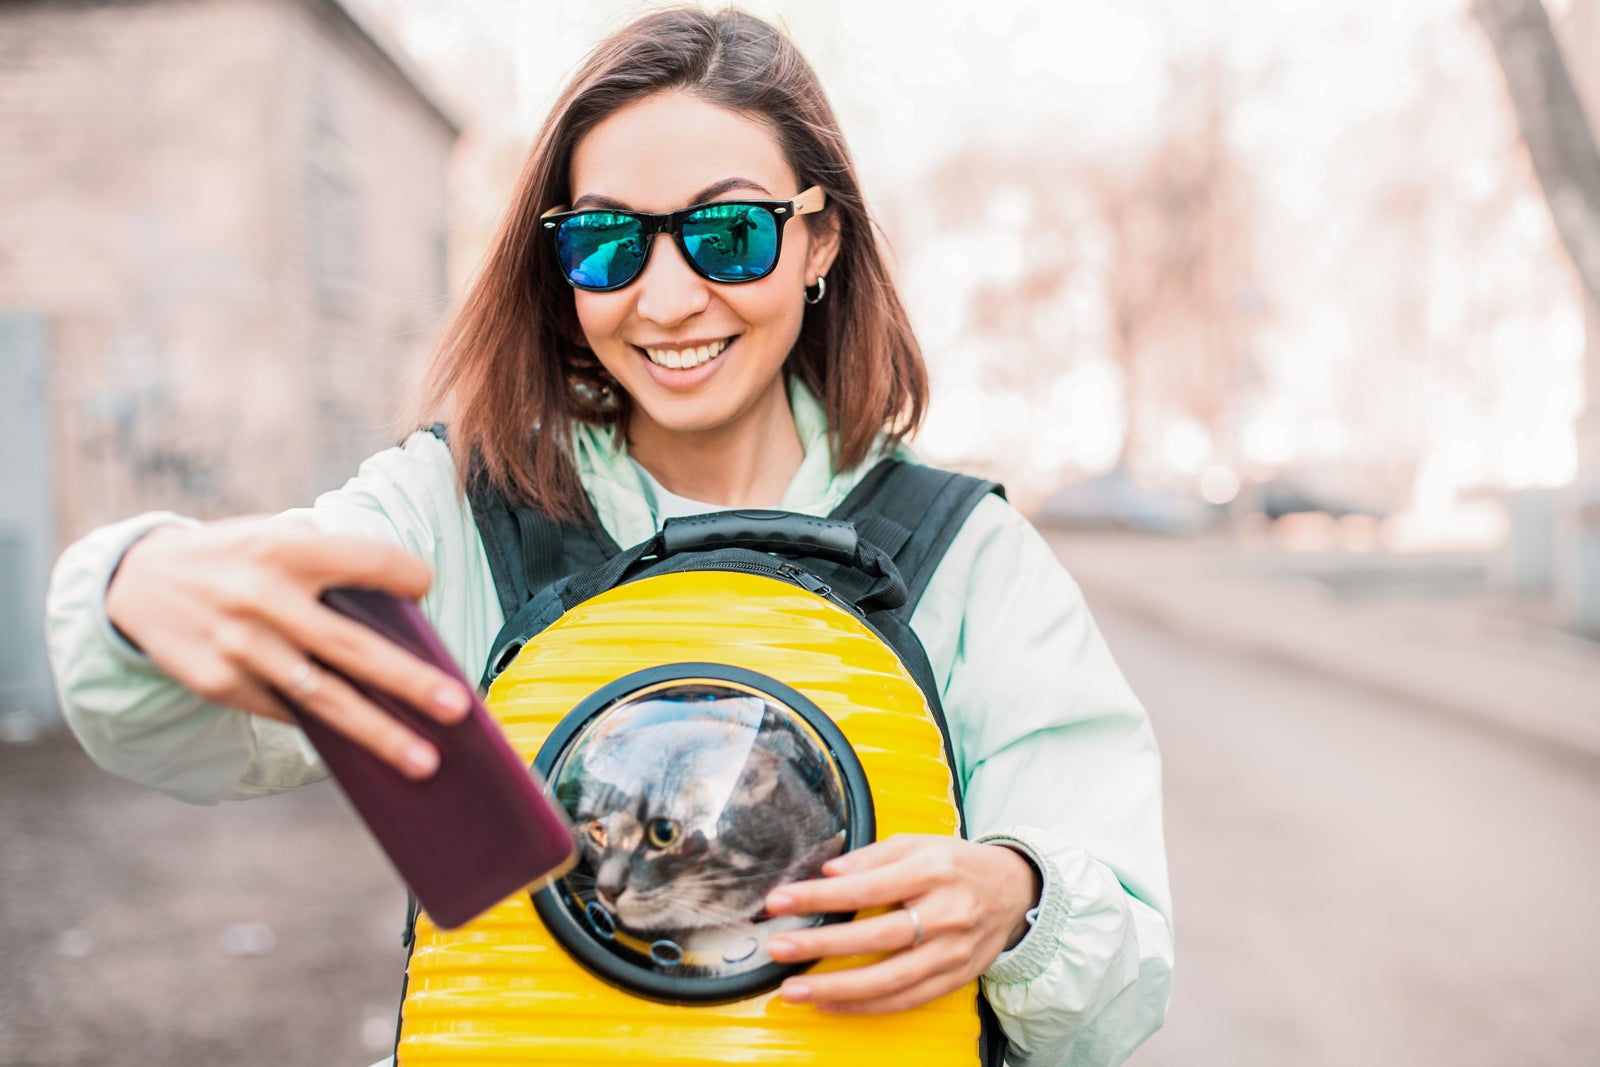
(746, 463)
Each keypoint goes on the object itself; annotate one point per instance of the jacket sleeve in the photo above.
(1059, 761)
(139, 724)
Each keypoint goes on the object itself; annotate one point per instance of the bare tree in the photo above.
(1550, 114)
(1144, 257)
(1180, 264)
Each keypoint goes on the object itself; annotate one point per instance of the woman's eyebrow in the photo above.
(595, 200)
(728, 185)
(715, 189)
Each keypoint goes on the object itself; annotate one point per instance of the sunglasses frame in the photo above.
(671, 222)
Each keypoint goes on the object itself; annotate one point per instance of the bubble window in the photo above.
(694, 789)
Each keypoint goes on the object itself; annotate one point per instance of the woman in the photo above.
(668, 377)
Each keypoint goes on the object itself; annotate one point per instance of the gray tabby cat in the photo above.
(685, 826)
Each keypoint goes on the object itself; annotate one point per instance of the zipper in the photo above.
(805, 579)
(778, 569)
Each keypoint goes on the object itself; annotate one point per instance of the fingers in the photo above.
(336, 703)
(963, 907)
(361, 653)
(885, 873)
(231, 611)
(295, 564)
(889, 932)
(901, 981)
(323, 560)
(332, 700)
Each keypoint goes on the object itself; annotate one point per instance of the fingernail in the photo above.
(779, 903)
(423, 759)
(452, 700)
(837, 865)
(796, 992)
(781, 950)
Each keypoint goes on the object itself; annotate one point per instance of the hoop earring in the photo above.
(591, 385)
(821, 289)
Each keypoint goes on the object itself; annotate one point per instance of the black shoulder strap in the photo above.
(526, 549)
(913, 513)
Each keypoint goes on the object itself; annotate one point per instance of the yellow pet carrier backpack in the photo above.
(719, 709)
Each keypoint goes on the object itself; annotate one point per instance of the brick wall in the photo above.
(231, 215)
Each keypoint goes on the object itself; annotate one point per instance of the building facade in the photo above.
(222, 264)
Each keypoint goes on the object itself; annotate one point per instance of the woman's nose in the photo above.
(669, 289)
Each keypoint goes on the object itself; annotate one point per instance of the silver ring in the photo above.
(305, 680)
(916, 924)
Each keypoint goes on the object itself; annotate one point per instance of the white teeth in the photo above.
(685, 358)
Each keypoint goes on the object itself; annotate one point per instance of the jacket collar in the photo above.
(626, 504)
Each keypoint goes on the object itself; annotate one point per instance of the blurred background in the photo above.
(1281, 318)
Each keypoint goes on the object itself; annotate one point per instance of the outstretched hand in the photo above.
(230, 610)
(955, 906)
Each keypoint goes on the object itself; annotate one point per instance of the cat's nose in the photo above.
(609, 893)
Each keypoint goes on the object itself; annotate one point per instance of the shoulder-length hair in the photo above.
(511, 360)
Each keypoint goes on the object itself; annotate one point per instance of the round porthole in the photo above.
(695, 789)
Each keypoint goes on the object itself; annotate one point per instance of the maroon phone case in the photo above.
(482, 827)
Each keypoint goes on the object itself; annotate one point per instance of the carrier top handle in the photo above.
(761, 531)
(790, 534)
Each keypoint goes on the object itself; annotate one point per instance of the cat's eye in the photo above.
(662, 832)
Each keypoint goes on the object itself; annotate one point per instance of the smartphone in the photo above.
(483, 826)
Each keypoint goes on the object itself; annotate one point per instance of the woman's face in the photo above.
(661, 154)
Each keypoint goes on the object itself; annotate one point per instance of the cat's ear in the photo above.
(761, 774)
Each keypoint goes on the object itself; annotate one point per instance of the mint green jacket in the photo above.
(1055, 754)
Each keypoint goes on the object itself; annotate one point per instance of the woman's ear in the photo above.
(824, 231)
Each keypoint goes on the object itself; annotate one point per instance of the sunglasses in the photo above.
(729, 241)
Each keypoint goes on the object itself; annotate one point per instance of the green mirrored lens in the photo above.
(732, 242)
(600, 249)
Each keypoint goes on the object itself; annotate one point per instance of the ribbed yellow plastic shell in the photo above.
(501, 991)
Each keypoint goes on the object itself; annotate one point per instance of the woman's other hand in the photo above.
(230, 610)
(970, 903)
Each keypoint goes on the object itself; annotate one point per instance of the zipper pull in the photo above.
(805, 579)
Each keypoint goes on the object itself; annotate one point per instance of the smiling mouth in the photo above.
(686, 358)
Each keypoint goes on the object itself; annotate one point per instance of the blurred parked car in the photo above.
(1285, 495)
(1116, 502)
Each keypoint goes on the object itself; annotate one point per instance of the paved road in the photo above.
(1362, 883)
(135, 929)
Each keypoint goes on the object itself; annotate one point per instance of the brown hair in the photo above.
(511, 359)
